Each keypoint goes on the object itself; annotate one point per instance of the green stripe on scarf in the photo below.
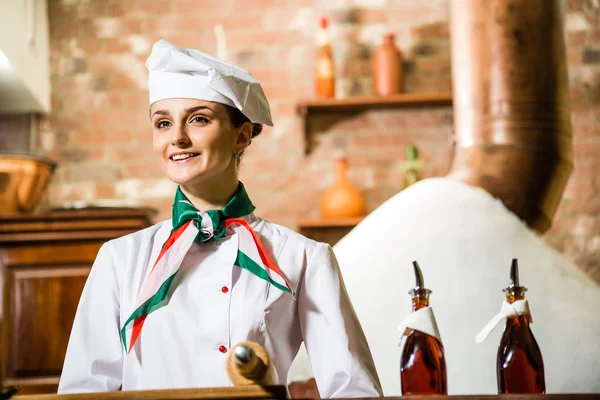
(243, 261)
(150, 305)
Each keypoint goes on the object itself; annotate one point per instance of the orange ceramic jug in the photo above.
(342, 200)
(388, 71)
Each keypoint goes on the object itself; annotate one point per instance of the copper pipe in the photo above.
(511, 103)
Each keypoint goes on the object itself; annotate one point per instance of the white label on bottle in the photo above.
(324, 68)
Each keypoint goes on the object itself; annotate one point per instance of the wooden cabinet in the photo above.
(44, 263)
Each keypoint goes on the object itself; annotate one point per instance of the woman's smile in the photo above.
(183, 157)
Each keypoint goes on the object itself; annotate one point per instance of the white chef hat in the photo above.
(176, 72)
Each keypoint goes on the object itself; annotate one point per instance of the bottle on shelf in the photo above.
(519, 363)
(388, 71)
(422, 360)
(325, 66)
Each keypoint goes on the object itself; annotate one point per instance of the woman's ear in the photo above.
(244, 137)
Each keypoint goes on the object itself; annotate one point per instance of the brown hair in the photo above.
(238, 119)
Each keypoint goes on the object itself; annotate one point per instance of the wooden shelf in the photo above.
(359, 103)
(362, 103)
(330, 223)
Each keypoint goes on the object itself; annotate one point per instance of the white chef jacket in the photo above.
(215, 305)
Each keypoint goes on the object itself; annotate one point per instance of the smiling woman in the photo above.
(198, 147)
(163, 306)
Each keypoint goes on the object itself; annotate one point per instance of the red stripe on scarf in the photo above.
(138, 323)
(170, 240)
(137, 329)
(261, 250)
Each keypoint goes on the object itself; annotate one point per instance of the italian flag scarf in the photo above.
(189, 226)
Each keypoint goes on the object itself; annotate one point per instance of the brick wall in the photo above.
(100, 134)
(576, 229)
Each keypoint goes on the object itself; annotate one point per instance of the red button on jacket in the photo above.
(222, 349)
(224, 289)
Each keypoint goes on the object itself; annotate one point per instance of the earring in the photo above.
(237, 156)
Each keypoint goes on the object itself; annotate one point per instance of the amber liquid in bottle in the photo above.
(519, 365)
(422, 363)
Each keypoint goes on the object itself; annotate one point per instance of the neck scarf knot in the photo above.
(210, 223)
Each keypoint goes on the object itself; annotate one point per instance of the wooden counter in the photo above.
(274, 392)
(238, 392)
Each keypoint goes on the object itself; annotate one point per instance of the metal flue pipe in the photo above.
(511, 103)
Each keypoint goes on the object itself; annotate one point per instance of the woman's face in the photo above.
(195, 141)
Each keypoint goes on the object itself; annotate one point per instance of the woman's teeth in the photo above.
(178, 157)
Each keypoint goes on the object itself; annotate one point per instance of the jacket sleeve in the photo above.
(336, 345)
(94, 359)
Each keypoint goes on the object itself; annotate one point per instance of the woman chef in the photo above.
(162, 306)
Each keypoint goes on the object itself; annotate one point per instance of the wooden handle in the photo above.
(248, 364)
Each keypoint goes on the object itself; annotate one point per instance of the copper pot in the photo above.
(23, 179)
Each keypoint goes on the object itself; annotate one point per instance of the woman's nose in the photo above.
(180, 135)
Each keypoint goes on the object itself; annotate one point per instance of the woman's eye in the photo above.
(162, 124)
(199, 120)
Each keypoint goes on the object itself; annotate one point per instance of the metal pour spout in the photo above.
(514, 274)
(419, 290)
(514, 289)
(418, 276)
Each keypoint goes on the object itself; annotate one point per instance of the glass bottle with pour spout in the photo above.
(519, 363)
(422, 362)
